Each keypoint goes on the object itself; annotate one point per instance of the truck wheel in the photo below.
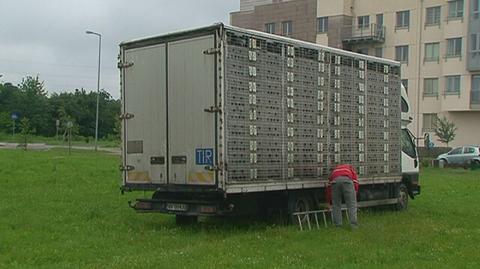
(185, 220)
(298, 203)
(402, 203)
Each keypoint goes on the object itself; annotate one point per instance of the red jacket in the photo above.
(345, 170)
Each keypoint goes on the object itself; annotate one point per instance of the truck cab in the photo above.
(410, 162)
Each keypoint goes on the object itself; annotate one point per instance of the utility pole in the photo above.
(98, 83)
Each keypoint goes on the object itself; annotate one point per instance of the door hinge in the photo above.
(126, 116)
(127, 168)
(121, 65)
(211, 51)
(213, 109)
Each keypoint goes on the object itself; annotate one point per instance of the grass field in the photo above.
(60, 211)
(78, 141)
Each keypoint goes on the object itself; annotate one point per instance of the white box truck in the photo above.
(221, 120)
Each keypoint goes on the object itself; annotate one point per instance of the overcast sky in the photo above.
(47, 37)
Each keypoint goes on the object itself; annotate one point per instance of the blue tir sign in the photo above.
(204, 157)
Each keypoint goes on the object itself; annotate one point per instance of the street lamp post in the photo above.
(98, 83)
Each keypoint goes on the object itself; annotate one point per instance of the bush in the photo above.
(425, 162)
(433, 152)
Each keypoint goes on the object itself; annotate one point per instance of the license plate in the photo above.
(177, 207)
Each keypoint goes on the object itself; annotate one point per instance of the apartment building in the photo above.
(437, 42)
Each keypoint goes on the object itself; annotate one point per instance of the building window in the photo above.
(363, 21)
(430, 87)
(379, 52)
(429, 122)
(270, 28)
(475, 9)
(454, 47)
(403, 19)
(322, 26)
(433, 15)
(455, 9)
(476, 83)
(379, 19)
(401, 53)
(432, 51)
(475, 42)
(475, 94)
(452, 85)
(287, 28)
(405, 84)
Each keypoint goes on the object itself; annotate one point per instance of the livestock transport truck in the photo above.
(222, 120)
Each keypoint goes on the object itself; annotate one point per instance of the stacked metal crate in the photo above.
(254, 109)
(294, 112)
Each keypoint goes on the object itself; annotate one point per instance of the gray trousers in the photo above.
(343, 187)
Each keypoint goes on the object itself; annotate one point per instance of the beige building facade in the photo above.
(437, 42)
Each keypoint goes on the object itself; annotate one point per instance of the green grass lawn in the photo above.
(54, 141)
(60, 211)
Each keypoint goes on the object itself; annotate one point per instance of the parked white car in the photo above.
(461, 155)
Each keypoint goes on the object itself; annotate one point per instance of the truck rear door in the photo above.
(144, 115)
(191, 130)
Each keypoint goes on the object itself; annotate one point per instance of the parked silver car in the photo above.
(461, 155)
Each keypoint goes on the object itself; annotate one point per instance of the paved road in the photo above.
(41, 146)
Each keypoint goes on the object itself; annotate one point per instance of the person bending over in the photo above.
(343, 183)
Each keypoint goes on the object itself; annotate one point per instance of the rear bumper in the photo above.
(198, 203)
(186, 208)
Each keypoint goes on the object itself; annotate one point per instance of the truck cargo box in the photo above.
(231, 110)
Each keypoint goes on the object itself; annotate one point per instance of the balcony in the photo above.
(361, 34)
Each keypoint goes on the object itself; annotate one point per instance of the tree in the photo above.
(445, 130)
(25, 131)
(9, 97)
(29, 99)
(5, 122)
(34, 105)
(33, 86)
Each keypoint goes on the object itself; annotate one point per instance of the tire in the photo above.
(298, 203)
(185, 220)
(402, 197)
(442, 163)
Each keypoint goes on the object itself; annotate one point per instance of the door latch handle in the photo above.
(213, 109)
(212, 168)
